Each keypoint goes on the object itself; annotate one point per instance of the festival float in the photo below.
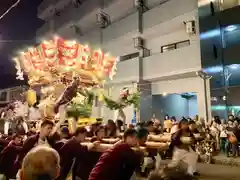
(70, 77)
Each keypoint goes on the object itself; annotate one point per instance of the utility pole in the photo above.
(205, 77)
(139, 43)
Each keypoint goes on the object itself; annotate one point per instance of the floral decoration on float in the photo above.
(125, 99)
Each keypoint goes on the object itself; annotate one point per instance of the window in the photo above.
(129, 56)
(215, 51)
(174, 46)
(15, 95)
(3, 96)
(168, 47)
(183, 44)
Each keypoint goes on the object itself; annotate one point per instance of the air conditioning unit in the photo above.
(138, 42)
(103, 19)
(138, 3)
(190, 27)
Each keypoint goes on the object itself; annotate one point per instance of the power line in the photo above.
(9, 9)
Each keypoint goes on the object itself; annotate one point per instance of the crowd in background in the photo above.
(83, 163)
(226, 134)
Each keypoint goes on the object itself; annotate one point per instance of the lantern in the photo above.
(46, 107)
(100, 97)
(31, 97)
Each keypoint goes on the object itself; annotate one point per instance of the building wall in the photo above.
(194, 84)
(192, 107)
(174, 105)
(10, 94)
(157, 34)
(163, 24)
(219, 34)
(124, 25)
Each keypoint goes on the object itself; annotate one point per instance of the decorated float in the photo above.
(72, 76)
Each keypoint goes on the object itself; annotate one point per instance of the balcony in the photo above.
(119, 9)
(121, 28)
(127, 72)
(228, 4)
(46, 8)
(85, 16)
(172, 63)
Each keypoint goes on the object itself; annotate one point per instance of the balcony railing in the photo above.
(183, 60)
(127, 71)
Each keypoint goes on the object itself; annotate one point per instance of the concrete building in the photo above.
(220, 47)
(10, 94)
(168, 62)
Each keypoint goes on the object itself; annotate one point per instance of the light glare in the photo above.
(231, 28)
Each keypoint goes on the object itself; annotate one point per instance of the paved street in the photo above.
(218, 172)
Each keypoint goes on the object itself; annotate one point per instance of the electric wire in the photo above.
(9, 9)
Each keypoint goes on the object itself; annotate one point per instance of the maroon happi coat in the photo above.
(28, 145)
(7, 159)
(3, 143)
(84, 169)
(71, 151)
(117, 163)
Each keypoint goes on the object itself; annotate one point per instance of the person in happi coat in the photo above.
(64, 136)
(150, 127)
(8, 157)
(73, 155)
(4, 142)
(99, 135)
(111, 129)
(157, 126)
(41, 138)
(94, 155)
(182, 142)
(149, 161)
(120, 126)
(92, 130)
(118, 162)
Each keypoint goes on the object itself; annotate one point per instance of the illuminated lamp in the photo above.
(164, 94)
(234, 66)
(231, 28)
(31, 97)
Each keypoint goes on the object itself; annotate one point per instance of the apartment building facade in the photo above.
(158, 43)
(11, 94)
(220, 34)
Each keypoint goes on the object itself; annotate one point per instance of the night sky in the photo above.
(17, 29)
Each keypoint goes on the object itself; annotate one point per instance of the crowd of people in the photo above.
(226, 135)
(52, 153)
